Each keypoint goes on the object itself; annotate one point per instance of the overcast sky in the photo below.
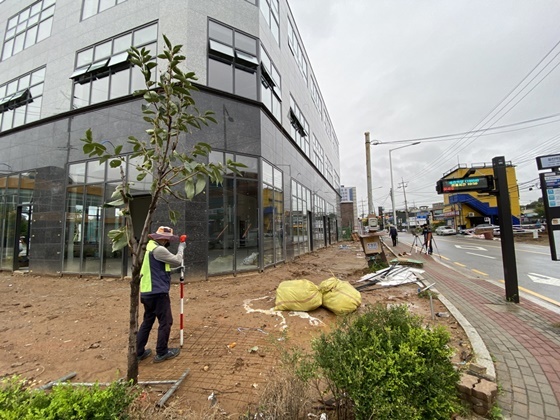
(414, 69)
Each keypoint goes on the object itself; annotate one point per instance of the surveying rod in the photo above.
(182, 295)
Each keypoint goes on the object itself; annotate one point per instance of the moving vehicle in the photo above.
(445, 230)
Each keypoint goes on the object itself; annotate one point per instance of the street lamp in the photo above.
(392, 185)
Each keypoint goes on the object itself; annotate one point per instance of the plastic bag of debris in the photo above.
(340, 296)
(297, 295)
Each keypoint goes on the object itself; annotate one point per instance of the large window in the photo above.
(103, 71)
(271, 87)
(271, 12)
(233, 218)
(299, 127)
(318, 155)
(315, 95)
(232, 61)
(31, 25)
(273, 214)
(20, 99)
(93, 7)
(297, 50)
(87, 248)
(299, 218)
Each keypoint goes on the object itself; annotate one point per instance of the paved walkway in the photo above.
(522, 339)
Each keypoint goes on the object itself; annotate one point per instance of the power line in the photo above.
(448, 137)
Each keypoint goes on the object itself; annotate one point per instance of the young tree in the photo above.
(170, 113)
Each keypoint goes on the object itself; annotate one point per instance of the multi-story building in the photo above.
(64, 68)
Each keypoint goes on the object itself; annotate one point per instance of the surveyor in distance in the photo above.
(154, 293)
(393, 233)
(427, 233)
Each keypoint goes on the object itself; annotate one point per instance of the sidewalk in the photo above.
(523, 339)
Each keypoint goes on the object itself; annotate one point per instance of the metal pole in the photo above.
(392, 190)
(168, 394)
(405, 204)
(368, 175)
(506, 229)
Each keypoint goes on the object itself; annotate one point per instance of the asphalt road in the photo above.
(537, 274)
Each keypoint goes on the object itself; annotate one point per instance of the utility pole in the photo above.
(368, 169)
(404, 185)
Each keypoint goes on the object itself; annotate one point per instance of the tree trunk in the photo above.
(132, 365)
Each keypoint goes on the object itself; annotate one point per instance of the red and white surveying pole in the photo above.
(182, 289)
(182, 294)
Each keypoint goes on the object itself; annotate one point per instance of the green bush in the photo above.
(390, 366)
(64, 401)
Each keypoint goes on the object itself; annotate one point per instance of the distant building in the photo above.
(469, 209)
(348, 195)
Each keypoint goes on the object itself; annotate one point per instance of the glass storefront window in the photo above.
(77, 173)
(74, 221)
(92, 229)
(247, 224)
(220, 228)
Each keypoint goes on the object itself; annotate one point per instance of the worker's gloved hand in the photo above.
(183, 238)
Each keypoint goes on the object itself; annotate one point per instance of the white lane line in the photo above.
(480, 255)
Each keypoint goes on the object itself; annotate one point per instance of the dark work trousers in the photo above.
(155, 306)
(394, 238)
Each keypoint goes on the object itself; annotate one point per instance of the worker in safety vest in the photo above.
(154, 293)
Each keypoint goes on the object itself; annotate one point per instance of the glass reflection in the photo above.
(220, 228)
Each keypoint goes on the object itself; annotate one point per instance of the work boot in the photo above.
(171, 353)
(147, 353)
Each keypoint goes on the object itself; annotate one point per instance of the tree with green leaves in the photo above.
(170, 114)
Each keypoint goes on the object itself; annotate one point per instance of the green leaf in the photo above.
(116, 203)
(200, 183)
(88, 148)
(189, 189)
(115, 163)
(118, 149)
(173, 216)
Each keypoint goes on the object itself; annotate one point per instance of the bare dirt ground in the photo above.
(52, 326)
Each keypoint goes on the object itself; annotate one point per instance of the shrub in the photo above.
(64, 401)
(389, 365)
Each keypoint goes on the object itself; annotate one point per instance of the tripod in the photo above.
(427, 245)
(416, 243)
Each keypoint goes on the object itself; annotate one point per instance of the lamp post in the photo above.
(392, 185)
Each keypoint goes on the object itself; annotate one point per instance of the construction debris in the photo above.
(395, 275)
(407, 261)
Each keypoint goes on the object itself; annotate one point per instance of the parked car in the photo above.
(478, 228)
(445, 230)
(516, 230)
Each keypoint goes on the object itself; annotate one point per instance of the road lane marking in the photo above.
(445, 258)
(549, 300)
(462, 265)
(479, 272)
(541, 278)
(480, 255)
(473, 247)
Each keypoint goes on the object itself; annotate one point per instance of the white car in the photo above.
(445, 230)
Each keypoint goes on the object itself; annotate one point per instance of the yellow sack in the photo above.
(297, 295)
(340, 296)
